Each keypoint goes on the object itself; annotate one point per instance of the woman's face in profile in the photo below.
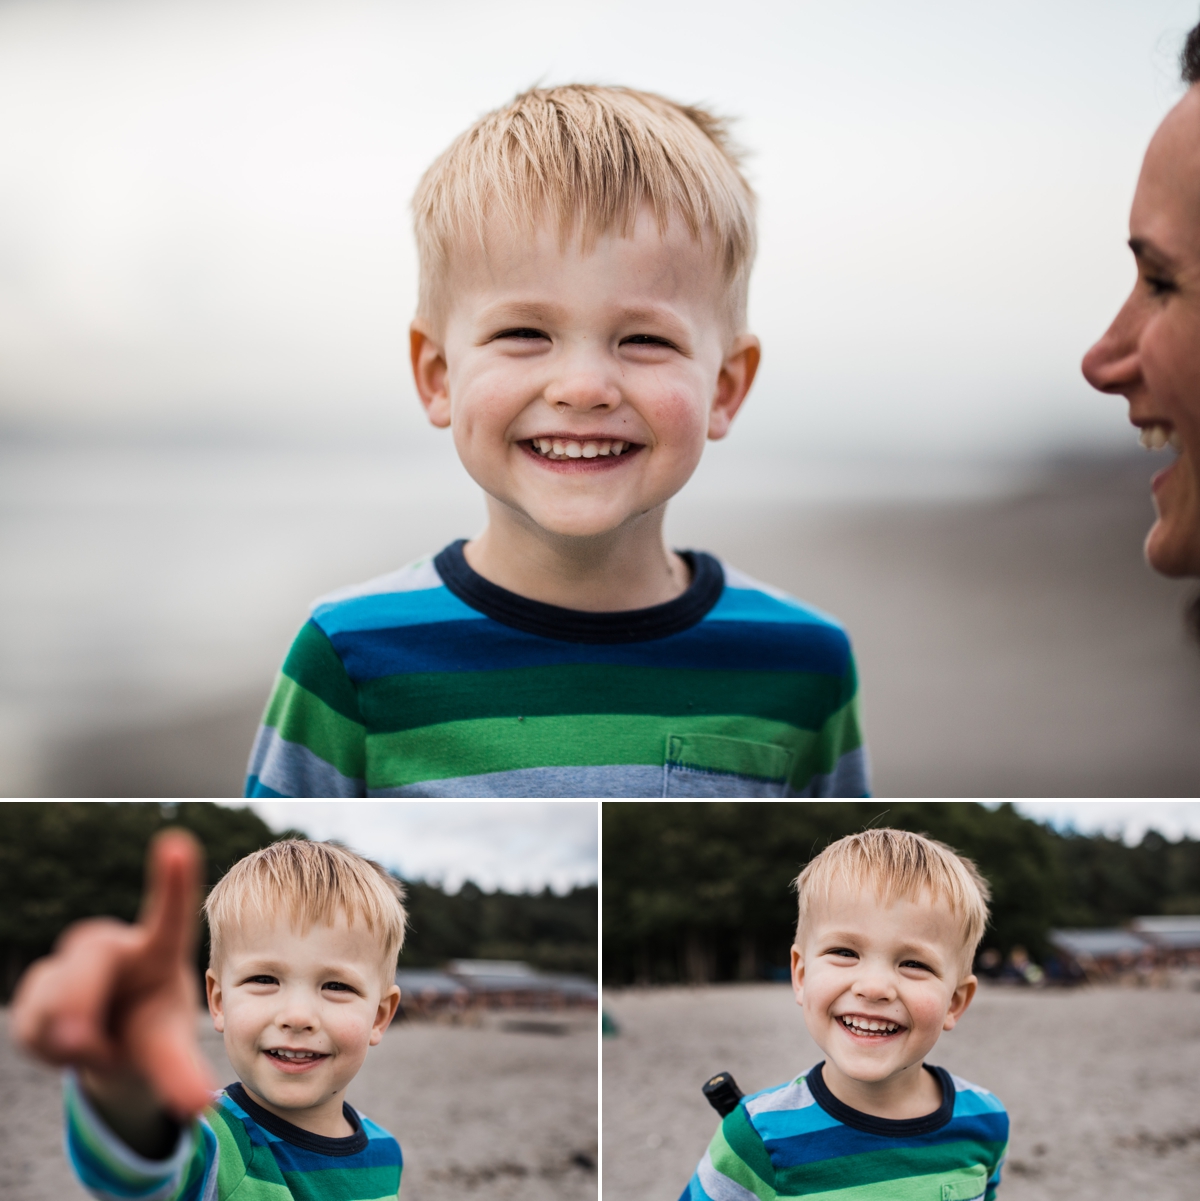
(1151, 352)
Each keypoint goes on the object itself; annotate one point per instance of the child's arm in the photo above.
(119, 1003)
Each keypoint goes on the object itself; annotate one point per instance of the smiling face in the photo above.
(878, 985)
(1151, 352)
(581, 386)
(298, 1012)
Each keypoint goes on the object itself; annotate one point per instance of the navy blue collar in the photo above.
(352, 1144)
(890, 1127)
(578, 625)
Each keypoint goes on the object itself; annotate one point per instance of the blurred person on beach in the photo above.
(304, 940)
(1151, 352)
(888, 926)
(585, 254)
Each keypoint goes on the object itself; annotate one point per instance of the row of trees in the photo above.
(697, 892)
(60, 862)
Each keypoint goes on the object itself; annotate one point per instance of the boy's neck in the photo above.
(628, 568)
(326, 1118)
(911, 1093)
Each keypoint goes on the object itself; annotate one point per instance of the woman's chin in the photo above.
(1173, 548)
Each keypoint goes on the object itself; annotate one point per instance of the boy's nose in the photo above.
(586, 389)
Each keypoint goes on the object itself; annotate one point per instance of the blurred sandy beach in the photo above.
(1010, 640)
(489, 1112)
(1102, 1085)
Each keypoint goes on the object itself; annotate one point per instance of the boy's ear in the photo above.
(964, 994)
(384, 1014)
(212, 987)
(429, 372)
(737, 373)
(798, 974)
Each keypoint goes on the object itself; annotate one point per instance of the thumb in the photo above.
(164, 1050)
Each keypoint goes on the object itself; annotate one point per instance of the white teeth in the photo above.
(1155, 437)
(1175, 442)
(870, 1025)
(558, 448)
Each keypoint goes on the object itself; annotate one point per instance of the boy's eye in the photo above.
(922, 967)
(261, 980)
(644, 340)
(521, 333)
(843, 952)
(338, 986)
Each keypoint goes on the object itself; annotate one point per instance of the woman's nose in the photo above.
(1113, 365)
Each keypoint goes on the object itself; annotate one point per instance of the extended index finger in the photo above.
(174, 865)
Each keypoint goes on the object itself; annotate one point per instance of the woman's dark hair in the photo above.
(1189, 60)
(1191, 618)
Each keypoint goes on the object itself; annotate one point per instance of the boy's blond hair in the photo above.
(310, 883)
(898, 865)
(587, 158)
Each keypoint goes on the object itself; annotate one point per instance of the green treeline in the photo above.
(60, 862)
(702, 891)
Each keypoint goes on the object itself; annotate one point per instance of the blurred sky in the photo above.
(1128, 820)
(519, 846)
(204, 222)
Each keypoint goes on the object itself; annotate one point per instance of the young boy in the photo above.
(301, 981)
(888, 927)
(585, 254)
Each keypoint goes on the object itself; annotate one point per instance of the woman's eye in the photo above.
(1159, 285)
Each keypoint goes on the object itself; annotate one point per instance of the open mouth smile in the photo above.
(1156, 435)
(293, 1062)
(592, 451)
(869, 1028)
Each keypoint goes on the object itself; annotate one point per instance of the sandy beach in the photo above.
(1010, 640)
(1102, 1085)
(496, 1112)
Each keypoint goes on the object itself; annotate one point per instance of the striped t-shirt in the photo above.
(237, 1150)
(432, 681)
(799, 1140)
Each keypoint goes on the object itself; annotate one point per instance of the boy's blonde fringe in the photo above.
(309, 883)
(588, 159)
(898, 864)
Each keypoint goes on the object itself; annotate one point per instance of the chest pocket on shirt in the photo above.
(970, 1186)
(711, 765)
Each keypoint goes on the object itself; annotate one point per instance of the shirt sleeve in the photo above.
(312, 741)
(841, 753)
(994, 1179)
(111, 1171)
(735, 1167)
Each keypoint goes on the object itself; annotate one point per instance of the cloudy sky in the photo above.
(203, 204)
(515, 845)
(525, 845)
